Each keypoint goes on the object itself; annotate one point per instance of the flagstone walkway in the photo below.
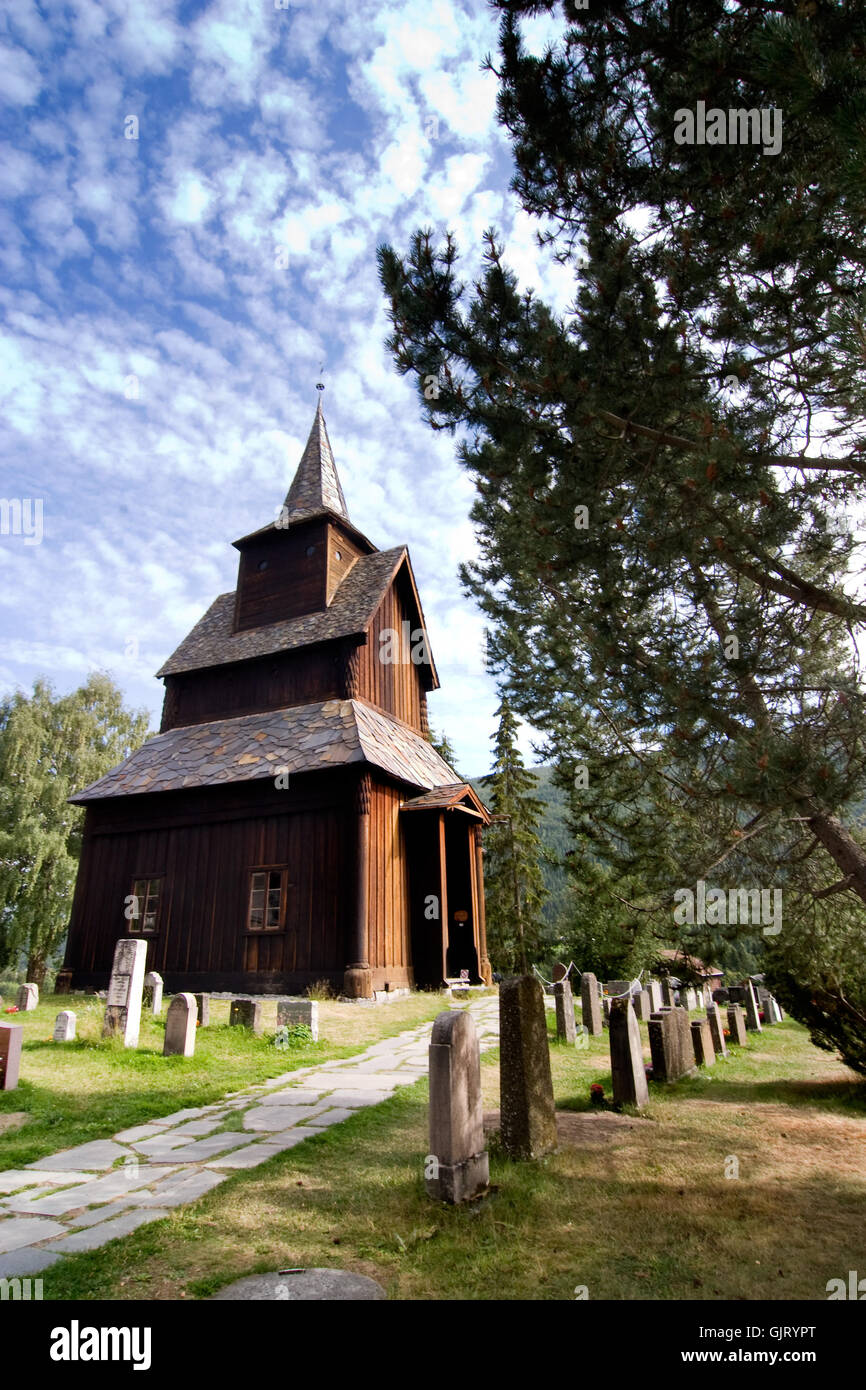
(78, 1200)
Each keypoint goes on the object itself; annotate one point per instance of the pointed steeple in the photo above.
(316, 486)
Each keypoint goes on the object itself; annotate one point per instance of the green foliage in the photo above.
(445, 748)
(50, 747)
(294, 1035)
(513, 885)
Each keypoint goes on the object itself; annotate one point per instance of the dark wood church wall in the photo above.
(282, 574)
(388, 936)
(394, 686)
(250, 687)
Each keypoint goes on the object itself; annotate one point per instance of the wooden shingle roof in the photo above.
(304, 738)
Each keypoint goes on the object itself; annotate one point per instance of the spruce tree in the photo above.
(666, 471)
(514, 888)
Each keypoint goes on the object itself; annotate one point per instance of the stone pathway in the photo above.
(79, 1200)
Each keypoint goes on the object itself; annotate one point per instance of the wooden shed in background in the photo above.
(291, 822)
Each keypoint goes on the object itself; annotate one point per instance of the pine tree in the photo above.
(663, 473)
(513, 884)
(51, 747)
(445, 748)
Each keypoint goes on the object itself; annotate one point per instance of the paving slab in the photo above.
(16, 1231)
(95, 1236)
(128, 1136)
(354, 1100)
(104, 1189)
(292, 1096)
(176, 1191)
(204, 1148)
(27, 1260)
(99, 1153)
(275, 1117)
(92, 1218)
(329, 1117)
(13, 1179)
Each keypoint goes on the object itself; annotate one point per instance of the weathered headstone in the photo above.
(28, 998)
(702, 1042)
(737, 1024)
(772, 1011)
(605, 1010)
(64, 1026)
(668, 1001)
(689, 999)
(153, 991)
(627, 1067)
(673, 1053)
(11, 1037)
(527, 1112)
(123, 1005)
(721, 996)
(589, 1004)
(291, 1012)
(246, 1013)
(736, 994)
(614, 988)
(655, 994)
(458, 1166)
(717, 1029)
(565, 1030)
(560, 972)
(753, 1023)
(202, 1003)
(642, 1005)
(63, 982)
(180, 1022)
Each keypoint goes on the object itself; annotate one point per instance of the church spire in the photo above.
(316, 486)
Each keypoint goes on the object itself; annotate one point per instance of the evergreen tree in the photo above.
(514, 888)
(663, 472)
(51, 747)
(445, 748)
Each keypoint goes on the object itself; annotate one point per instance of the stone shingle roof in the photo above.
(448, 799)
(212, 642)
(304, 738)
(316, 485)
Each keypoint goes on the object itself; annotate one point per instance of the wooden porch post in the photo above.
(443, 894)
(484, 967)
(358, 977)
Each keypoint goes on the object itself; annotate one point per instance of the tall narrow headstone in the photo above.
(28, 998)
(717, 1030)
(63, 982)
(772, 1012)
(202, 1002)
(64, 1026)
(180, 1022)
(753, 1023)
(11, 1037)
(153, 991)
(627, 1067)
(737, 1024)
(642, 1005)
(667, 994)
(246, 1013)
(560, 972)
(527, 1112)
(671, 1047)
(123, 1005)
(589, 1004)
(721, 996)
(655, 994)
(291, 1012)
(457, 1167)
(689, 999)
(565, 1030)
(702, 1042)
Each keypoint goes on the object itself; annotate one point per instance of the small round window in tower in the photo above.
(263, 564)
(338, 555)
(311, 550)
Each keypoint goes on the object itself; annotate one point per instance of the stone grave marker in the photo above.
(527, 1113)
(153, 991)
(690, 999)
(673, 1053)
(737, 1024)
(589, 1004)
(246, 1013)
(180, 1023)
(626, 1056)
(11, 1037)
(702, 1041)
(565, 1030)
(202, 1003)
(642, 1005)
(63, 982)
(717, 1030)
(291, 1012)
(668, 1001)
(457, 1167)
(772, 1010)
(736, 994)
(64, 1026)
(721, 996)
(560, 972)
(123, 1005)
(655, 994)
(28, 998)
(753, 1022)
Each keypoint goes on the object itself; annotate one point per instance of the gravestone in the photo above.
(202, 1003)
(527, 1112)
(64, 1026)
(605, 1010)
(63, 982)
(11, 1037)
(736, 994)
(246, 1013)
(642, 1005)
(123, 1005)
(673, 1053)
(180, 1023)
(153, 991)
(702, 1042)
(772, 1011)
(28, 998)
(458, 1166)
(753, 1023)
(291, 1012)
(560, 972)
(668, 1001)
(737, 1024)
(627, 1067)
(565, 1030)
(690, 1001)
(717, 1029)
(617, 987)
(589, 1004)
(655, 994)
(721, 996)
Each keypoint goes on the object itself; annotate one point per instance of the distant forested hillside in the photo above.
(554, 835)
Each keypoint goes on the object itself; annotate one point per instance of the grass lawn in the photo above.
(70, 1093)
(630, 1207)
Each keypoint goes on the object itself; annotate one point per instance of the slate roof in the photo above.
(304, 738)
(316, 485)
(212, 642)
(449, 799)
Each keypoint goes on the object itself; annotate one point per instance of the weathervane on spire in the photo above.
(320, 385)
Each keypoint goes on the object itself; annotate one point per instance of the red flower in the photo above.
(13, 1009)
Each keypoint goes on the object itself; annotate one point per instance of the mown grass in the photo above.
(70, 1093)
(630, 1207)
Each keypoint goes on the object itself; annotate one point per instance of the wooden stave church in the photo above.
(290, 749)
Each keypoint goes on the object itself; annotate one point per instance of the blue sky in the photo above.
(166, 302)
